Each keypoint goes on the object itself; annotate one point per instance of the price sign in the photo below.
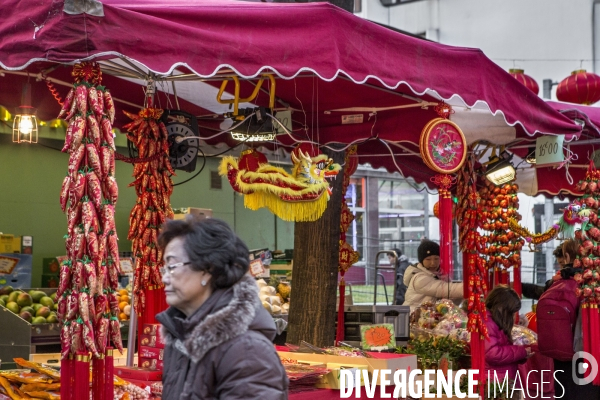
(549, 150)
(285, 117)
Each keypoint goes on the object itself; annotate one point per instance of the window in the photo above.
(355, 200)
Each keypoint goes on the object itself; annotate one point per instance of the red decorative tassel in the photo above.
(517, 280)
(67, 367)
(505, 277)
(593, 333)
(98, 373)
(478, 360)
(339, 335)
(109, 370)
(82, 376)
(497, 277)
(446, 259)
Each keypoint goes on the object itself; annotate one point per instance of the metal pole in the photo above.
(131, 335)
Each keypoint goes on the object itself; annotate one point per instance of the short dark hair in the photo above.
(398, 252)
(558, 251)
(212, 246)
(571, 248)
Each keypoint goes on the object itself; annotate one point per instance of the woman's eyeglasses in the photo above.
(168, 269)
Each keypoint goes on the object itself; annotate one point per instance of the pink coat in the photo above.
(501, 355)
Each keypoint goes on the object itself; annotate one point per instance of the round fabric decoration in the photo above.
(443, 146)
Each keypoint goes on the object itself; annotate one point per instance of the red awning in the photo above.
(325, 59)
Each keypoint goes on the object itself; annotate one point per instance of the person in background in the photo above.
(423, 280)
(502, 357)
(217, 333)
(401, 262)
(533, 291)
(563, 370)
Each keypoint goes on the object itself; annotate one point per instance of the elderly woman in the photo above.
(217, 334)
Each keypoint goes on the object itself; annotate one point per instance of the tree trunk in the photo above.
(315, 272)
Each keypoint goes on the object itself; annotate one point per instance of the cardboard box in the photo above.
(50, 266)
(389, 361)
(50, 280)
(16, 244)
(201, 213)
(151, 341)
(143, 384)
(151, 329)
(142, 374)
(150, 363)
(150, 352)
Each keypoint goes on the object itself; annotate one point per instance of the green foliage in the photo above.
(430, 350)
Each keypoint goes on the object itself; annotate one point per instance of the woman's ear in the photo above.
(567, 258)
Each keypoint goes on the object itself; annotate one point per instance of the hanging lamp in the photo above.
(25, 127)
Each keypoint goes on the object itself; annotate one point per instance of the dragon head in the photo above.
(314, 170)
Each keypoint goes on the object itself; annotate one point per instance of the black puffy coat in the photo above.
(223, 350)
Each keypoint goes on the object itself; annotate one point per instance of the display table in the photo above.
(330, 394)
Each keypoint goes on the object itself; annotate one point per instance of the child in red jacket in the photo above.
(502, 357)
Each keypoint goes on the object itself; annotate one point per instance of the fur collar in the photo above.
(218, 327)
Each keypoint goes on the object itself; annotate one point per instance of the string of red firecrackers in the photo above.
(347, 255)
(153, 185)
(502, 247)
(588, 238)
(474, 267)
(87, 301)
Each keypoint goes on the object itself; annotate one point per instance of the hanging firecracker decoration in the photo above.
(526, 80)
(87, 298)
(444, 150)
(581, 87)
(502, 246)
(347, 256)
(300, 196)
(474, 267)
(588, 259)
(153, 185)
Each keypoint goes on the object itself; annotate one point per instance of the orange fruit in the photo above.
(122, 305)
(125, 299)
(123, 292)
(122, 316)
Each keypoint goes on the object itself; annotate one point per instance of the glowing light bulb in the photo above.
(25, 125)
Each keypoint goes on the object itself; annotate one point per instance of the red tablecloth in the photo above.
(328, 394)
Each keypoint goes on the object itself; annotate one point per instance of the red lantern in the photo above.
(526, 80)
(581, 88)
(251, 160)
(436, 209)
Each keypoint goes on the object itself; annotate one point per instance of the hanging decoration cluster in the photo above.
(502, 247)
(300, 196)
(87, 298)
(153, 185)
(533, 238)
(347, 255)
(588, 238)
(474, 266)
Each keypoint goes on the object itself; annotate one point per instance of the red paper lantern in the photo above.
(581, 88)
(526, 80)
(436, 209)
(251, 160)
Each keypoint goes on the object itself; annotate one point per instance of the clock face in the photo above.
(185, 152)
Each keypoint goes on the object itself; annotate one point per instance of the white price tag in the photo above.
(549, 150)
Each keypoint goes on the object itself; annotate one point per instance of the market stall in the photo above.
(381, 107)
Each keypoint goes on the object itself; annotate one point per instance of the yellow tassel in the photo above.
(297, 211)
